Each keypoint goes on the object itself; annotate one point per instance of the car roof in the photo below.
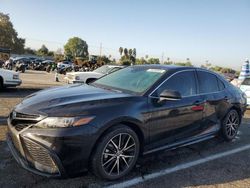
(173, 67)
(165, 67)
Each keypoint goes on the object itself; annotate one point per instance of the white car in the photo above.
(88, 77)
(9, 78)
(245, 87)
(65, 64)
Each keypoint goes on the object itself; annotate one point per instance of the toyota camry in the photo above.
(105, 126)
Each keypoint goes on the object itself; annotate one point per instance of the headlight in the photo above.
(77, 77)
(15, 76)
(59, 122)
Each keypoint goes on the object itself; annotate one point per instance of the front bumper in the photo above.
(28, 165)
(12, 83)
(61, 152)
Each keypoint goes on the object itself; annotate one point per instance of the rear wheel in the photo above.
(116, 153)
(230, 125)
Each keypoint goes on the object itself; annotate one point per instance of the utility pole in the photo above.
(162, 58)
(100, 49)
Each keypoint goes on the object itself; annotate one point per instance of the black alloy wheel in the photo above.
(116, 154)
(231, 125)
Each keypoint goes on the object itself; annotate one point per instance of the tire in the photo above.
(112, 160)
(230, 125)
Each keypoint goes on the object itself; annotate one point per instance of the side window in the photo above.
(221, 84)
(184, 82)
(207, 82)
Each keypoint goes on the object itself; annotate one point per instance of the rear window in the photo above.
(207, 82)
(246, 82)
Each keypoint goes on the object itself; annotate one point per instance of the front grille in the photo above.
(20, 120)
(19, 115)
(36, 153)
(20, 127)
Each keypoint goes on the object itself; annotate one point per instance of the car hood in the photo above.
(84, 73)
(67, 99)
(8, 71)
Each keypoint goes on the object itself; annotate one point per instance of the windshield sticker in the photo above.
(156, 70)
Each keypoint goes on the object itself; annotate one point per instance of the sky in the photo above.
(217, 31)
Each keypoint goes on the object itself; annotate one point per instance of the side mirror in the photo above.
(170, 95)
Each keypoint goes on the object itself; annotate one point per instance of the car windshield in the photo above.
(103, 69)
(246, 82)
(135, 80)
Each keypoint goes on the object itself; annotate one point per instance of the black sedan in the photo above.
(107, 125)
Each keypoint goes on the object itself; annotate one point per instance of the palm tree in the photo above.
(134, 53)
(125, 51)
(130, 52)
(121, 50)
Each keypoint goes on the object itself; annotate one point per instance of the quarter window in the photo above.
(207, 82)
(221, 85)
(183, 82)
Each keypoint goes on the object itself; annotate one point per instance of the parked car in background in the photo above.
(245, 87)
(107, 125)
(20, 66)
(65, 64)
(88, 77)
(9, 78)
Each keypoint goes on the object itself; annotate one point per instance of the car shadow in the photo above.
(3, 120)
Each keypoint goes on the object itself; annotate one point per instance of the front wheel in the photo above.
(230, 125)
(116, 153)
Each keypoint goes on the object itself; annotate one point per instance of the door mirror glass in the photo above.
(170, 95)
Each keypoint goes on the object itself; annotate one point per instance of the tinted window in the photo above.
(133, 79)
(207, 82)
(221, 85)
(184, 82)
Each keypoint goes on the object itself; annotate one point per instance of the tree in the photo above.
(125, 51)
(130, 52)
(58, 55)
(134, 53)
(121, 50)
(76, 47)
(43, 51)
(188, 64)
(153, 61)
(140, 61)
(9, 36)
(29, 51)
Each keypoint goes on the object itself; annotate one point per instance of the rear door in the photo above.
(215, 97)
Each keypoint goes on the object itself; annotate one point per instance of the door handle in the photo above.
(198, 106)
(198, 102)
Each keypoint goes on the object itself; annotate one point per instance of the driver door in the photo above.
(175, 120)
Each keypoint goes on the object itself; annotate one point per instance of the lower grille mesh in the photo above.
(39, 154)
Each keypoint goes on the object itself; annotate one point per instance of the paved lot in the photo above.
(225, 171)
